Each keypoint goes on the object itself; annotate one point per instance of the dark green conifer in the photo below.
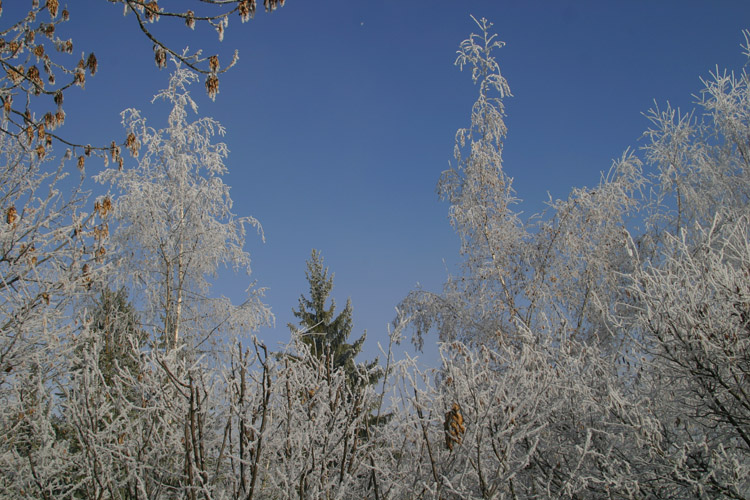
(325, 332)
(115, 319)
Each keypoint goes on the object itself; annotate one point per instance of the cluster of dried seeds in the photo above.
(11, 215)
(454, 426)
(103, 207)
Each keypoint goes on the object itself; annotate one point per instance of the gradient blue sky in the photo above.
(341, 116)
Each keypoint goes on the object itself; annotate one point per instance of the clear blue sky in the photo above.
(341, 116)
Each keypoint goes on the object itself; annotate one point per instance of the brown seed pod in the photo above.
(131, 142)
(454, 426)
(52, 6)
(91, 63)
(86, 275)
(212, 86)
(103, 207)
(271, 5)
(247, 9)
(152, 11)
(114, 150)
(47, 29)
(160, 57)
(11, 215)
(33, 75)
(16, 74)
(30, 257)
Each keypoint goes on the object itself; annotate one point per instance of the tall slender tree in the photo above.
(176, 225)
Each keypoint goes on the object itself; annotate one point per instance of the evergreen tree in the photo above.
(116, 320)
(325, 332)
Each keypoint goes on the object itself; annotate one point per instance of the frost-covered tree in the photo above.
(690, 325)
(688, 310)
(175, 225)
(523, 421)
(550, 272)
(49, 239)
(627, 299)
(303, 428)
(160, 427)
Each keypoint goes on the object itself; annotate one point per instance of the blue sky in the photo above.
(341, 116)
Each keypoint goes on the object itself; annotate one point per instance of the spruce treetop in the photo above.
(324, 331)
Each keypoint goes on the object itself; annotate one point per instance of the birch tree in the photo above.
(554, 272)
(176, 227)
